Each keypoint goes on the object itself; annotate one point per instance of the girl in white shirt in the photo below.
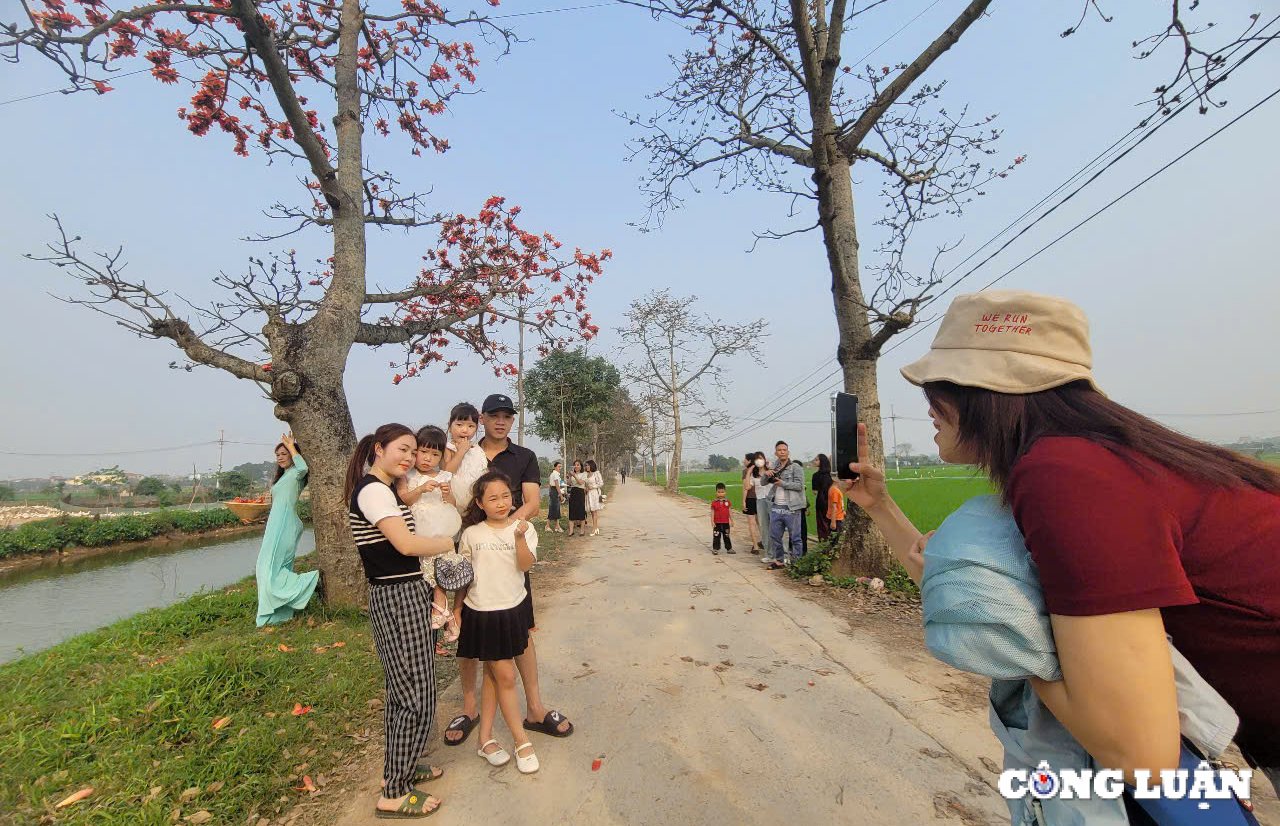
(466, 461)
(427, 490)
(498, 613)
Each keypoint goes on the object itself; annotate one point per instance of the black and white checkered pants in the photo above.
(401, 617)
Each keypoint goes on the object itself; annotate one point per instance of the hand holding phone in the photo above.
(867, 489)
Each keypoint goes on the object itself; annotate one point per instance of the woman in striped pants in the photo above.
(400, 612)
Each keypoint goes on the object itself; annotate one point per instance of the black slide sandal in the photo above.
(461, 723)
(549, 725)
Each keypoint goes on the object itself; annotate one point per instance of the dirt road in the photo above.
(691, 675)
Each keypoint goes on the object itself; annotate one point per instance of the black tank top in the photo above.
(383, 564)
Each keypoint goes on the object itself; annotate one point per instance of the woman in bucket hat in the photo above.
(1136, 531)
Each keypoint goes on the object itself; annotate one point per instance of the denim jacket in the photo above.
(791, 481)
(984, 613)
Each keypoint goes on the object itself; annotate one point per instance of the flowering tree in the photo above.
(301, 81)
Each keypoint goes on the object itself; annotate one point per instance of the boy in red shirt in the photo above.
(720, 509)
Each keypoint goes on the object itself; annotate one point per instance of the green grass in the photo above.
(927, 495)
(129, 711)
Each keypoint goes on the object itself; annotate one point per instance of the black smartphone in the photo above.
(844, 434)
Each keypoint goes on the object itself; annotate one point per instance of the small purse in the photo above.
(454, 571)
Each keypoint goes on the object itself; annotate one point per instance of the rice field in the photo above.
(926, 495)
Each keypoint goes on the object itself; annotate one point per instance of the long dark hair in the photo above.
(999, 428)
(280, 471)
(364, 454)
(822, 478)
(592, 466)
(475, 514)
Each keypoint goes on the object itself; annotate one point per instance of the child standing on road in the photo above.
(835, 509)
(720, 510)
(497, 615)
(426, 489)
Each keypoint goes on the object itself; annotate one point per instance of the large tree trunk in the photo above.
(310, 394)
(863, 551)
(310, 397)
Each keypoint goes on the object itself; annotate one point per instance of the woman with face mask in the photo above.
(764, 495)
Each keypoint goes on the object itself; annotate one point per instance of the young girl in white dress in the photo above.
(428, 491)
(498, 612)
(463, 456)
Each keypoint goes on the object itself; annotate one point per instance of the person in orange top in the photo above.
(835, 508)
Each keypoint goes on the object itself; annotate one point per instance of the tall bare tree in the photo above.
(680, 356)
(268, 74)
(768, 99)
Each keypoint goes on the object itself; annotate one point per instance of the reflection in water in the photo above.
(42, 607)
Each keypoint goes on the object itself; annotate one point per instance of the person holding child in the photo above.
(720, 510)
(497, 614)
(427, 491)
(399, 611)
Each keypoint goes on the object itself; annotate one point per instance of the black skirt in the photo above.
(553, 505)
(495, 635)
(577, 504)
(749, 507)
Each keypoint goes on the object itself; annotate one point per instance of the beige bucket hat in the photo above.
(1009, 341)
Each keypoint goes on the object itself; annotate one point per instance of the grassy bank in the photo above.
(190, 709)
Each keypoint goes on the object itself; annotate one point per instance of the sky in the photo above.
(1180, 292)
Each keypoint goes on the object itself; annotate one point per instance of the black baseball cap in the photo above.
(497, 402)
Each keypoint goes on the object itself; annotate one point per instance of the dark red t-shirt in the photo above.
(1113, 533)
(720, 511)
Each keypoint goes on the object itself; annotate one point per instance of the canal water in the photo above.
(42, 607)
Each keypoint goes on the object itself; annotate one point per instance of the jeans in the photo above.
(793, 522)
(721, 531)
(762, 517)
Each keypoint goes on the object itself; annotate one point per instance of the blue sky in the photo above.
(1177, 280)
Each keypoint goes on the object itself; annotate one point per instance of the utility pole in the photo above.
(217, 480)
(520, 377)
(893, 423)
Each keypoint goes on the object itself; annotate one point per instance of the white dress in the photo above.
(432, 516)
(474, 465)
(595, 483)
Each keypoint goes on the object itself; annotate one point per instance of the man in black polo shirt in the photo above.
(520, 464)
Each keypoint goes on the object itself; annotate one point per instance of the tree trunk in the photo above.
(321, 421)
(863, 551)
(677, 441)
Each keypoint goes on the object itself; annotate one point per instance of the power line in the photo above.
(1160, 124)
(133, 452)
(1074, 177)
(1100, 211)
(109, 452)
(1070, 231)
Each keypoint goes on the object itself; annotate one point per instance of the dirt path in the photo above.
(690, 674)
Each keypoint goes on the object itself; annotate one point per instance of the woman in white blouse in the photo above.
(595, 487)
